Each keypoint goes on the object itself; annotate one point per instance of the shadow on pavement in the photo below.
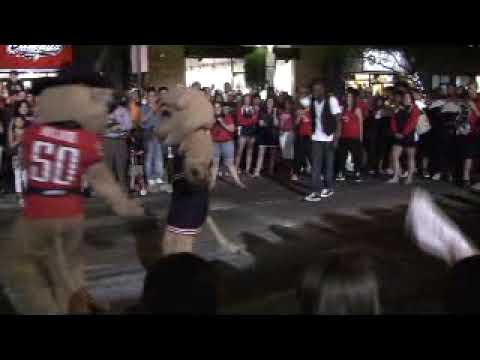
(411, 282)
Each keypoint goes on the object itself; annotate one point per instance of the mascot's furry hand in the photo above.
(105, 185)
(188, 111)
(128, 208)
(197, 149)
(82, 303)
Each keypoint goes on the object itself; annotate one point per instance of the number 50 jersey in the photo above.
(55, 160)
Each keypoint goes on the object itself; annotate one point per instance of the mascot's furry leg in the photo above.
(42, 275)
(43, 270)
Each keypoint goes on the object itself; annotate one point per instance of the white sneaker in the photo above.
(436, 177)
(393, 181)
(159, 181)
(404, 174)
(143, 192)
(326, 193)
(313, 197)
(151, 182)
(389, 172)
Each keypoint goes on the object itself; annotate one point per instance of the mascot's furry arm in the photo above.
(197, 149)
(105, 185)
(189, 111)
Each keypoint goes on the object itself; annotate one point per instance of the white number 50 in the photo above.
(61, 170)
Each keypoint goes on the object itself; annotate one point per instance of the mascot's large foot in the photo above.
(82, 303)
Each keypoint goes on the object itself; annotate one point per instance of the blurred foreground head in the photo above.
(344, 285)
(180, 284)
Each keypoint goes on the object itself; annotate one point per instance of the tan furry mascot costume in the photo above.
(187, 128)
(42, 266)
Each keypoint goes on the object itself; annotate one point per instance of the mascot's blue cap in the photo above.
(70, 76)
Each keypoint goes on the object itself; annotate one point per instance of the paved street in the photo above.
(282, 234)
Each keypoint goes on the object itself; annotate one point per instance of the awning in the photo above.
(287, 53)
(219, 51)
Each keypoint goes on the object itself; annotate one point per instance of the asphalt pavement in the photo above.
(282, 234)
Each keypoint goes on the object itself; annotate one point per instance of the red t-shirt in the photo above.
(56, 160)
(286, 121)
(473, 119)
(305, 125)
(219, 133)
(364, 107)
(244, 120)
(410, 125)
(350, 125)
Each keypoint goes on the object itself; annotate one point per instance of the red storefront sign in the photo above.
(35, 56)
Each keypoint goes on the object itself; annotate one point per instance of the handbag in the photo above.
(423, 125)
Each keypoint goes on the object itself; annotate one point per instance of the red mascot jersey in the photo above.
(55, 160)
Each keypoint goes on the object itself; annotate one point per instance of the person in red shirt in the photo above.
(42, 269)
(403, 125)
(303, 137)
(351, 137)
(247, 119)
(223, 142)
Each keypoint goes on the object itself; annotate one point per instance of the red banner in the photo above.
(35, 56)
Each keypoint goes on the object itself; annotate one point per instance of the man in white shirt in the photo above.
(326, 132)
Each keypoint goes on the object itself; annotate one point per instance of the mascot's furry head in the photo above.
(189, 118)
(188, 110)
(74, 96)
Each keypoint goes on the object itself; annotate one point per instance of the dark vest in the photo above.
(329, 121)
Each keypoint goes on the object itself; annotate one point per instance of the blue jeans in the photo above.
(323, 156)
(153, 159)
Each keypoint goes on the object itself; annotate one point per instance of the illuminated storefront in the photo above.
(213, 67)
(376, 71)
(33, 61)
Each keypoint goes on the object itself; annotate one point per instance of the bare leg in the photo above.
(411, 164)
(273, 154)
(251, 143)
(214, 173)
(241, 147)
(234, 174)
(380, 166)
(467, 167)
(175, 243)
(261, 156)
(425, 162)
(396, 153)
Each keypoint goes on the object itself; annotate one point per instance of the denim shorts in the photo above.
(224, 150)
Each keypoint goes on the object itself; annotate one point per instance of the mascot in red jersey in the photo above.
(42, 266)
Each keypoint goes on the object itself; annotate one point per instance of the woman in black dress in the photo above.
(267, 136)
